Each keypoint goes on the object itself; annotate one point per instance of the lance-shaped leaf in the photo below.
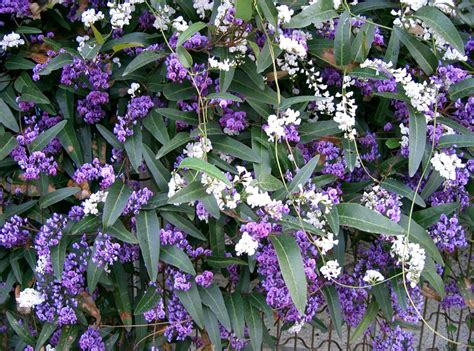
(430, 216)
(7, 143)
(334, 306)
(46, 331)
(442, 25)
(420, 52)
(292, 269)
(191, 301)
(68, 336)
(20, 330)
(401, 189)
(58, 255)
(7, 118)
(234, 148)
(369, 317)
(44, 138)
(362, 218)
(68, 139)
(383, 298)
(342, 40)
(212, 328)
(459, 140)
(192, 192)
(189, 32)
(301, 177)
(122, 296)
(118, 231)
(184, 224)
(134, 148)
(178, 140)
(56, 196)
(148, 301)
(235, 306)
(212, 297)
(417, 141)
(461, 89)
(148, 234)
(117, 198)
(319, 11)
(254, 325)
(203, 166)
(174, 256)
(143, 59)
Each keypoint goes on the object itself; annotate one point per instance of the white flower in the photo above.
(246, 245)
(415, 4)
(12, 40)
(275, 128)
(405, 135)
(120, 14)
(116, 60)
(453, 55)
(82, 41)
(198, 149)
(292, 46)
(221, 65)
(337, 3)
(90, 205)
(175, 184)
(373, 276)
(180, 24)
(326, 243)
(257, 198)
(134, 87)
(296, 328)
(202, 6)
(50, 348)
(89, 17)
(412, 255)
(163, 14)
(446, 164)
(331, 270)
(29, 298)
(284, 13)
(41, 264)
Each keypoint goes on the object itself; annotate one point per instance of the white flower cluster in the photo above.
(296, 328)
(180, 24)
(346, 109)
(405, 135)
(326, 243)
(175, 184)
(221, 65)
(246, 245)
(373, 276)
(41, 264)
(314, 81)
(198, 149)
(284, 14)
(90, 205)
(82, 41)
(446, 164)
(202, 6)
(291, 46)
(222, 26)
(162, 19)
(121, 13)
(275, 128)
(222, 193)
(289, 63)
(12, 40)
(331, 270)
(134, 87)
(90, 16)
(29, 298)
(412, 255)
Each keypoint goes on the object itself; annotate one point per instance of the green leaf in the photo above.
(58, 255)
(420, 52)
(230, 146)
(32, 94)
(268, 182)
(292, 269)
(184, 57)
(401, 189)
(212, 297)
(243, 9)
(294, 223)
(235, 307)
(143, 59)
(184, 224)
(442, 25)
(56, 196)
(121, 295)
(94, 274)
(7, 143)
(222, 262)
(368, 319)
(334, 306)
(177, 115)
(118, 231)
(417, 141)
(216, 237)
(461, 89)
(433, 183)
(174, 256)
(383, 298)
(134, 148)
(309, 131)
(319, 11)
(147, 301)
(269, 11)
(350, 153)
(20, 330)
(109, 137)
(68, 139)
(288, 102)
(430, 216)
(18, 62)
(7, 118)
(431, 275)
(212, 328)
(362, 7)
(458, 140)
(189, 32)
(363, 41)
(225, 78)
(333, 219)
(44, 138)
(190, 193)
(191, 301)
(56, 63)
(117, 198)
(393, 49)
(265, 58)
(160, 173)
(179, 91)
(301, 177)
(203, 166)
(155, 124)
(67, 338)
(46, 331)
(362, 218)
(223, 96)
(254, 324)
(342, 40)
(148, 234)
(178, 140)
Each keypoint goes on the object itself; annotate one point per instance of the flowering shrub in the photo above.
(171, 172)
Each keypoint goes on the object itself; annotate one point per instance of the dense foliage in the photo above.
(171, 172)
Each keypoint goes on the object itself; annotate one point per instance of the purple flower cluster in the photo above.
(137, 200)
(392, 338)
(137, 109)
(94, 171)
(175, 70)
(353, 301)
(13, 232)
(106, 252)
(383, 201)
(17, 8)
(180, 322)
(448, 234)
(204, 279)
(233, 122)
(91, 341)
(370, 144)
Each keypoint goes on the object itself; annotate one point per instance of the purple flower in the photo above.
(233, 122)
(91, 341)
(448, 234)
(13, 233)
(204, 279)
